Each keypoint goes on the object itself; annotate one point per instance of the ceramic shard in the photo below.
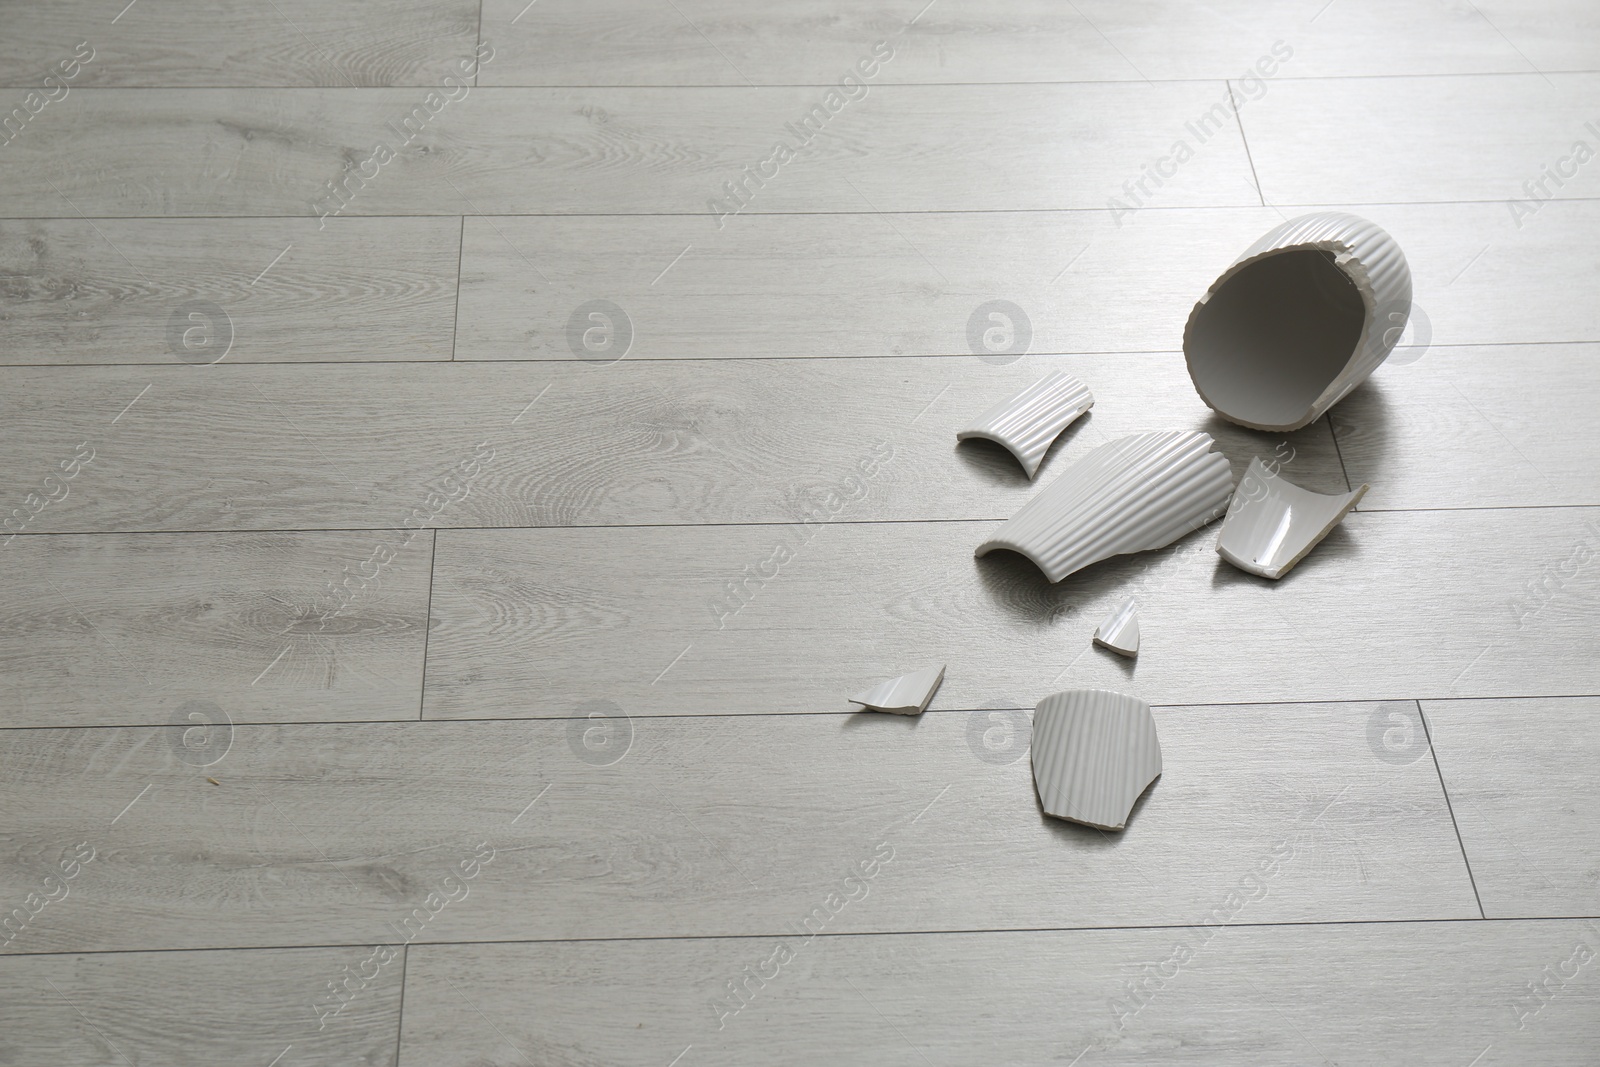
(1093, 753)
(1132, 495)
(1274, 523)
(1120, 630)
(1300, 319)
(1027, 423)
(906, 695)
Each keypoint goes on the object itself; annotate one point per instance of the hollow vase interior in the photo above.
(1275, 335)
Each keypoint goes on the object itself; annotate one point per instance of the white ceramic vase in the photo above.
(1299, 320)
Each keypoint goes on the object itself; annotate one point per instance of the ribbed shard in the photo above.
(1120, 630)
(1305, 315)
(1028, 422)
(1274, 523)
(1132, 495)
(1093, 753)
(906, 695)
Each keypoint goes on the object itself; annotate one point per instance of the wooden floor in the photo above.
(390, 679)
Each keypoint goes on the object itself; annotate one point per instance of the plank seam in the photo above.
(1428, 733)
(768, 935)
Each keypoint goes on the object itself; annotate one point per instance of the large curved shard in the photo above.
(1093, 753)
(1135, 494)
(1299, 320)
(1027, 423)
(1274, 523)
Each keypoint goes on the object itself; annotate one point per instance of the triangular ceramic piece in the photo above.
(1120, 630)
(1093, 753)
(1274, 523)
(1135, 494)
(906, 695)
(1028, 422)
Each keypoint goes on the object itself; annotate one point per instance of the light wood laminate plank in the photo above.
(258, 447)
(722, 42)
(1521, 782)
(237, 42)
(1548, 34)
(710, 826)
(196, 1009)
(1423, 139)
(1502, 425)
(253, 627)
(287, 290)
(911, 284)
(1442, 995)
(515, 151)
(826, 285)
(1391, 606)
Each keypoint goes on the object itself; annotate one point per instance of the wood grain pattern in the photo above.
(1502, 425)
(1398, 994)
(195, 1009)
(257, 447)
(710, 826)
(1520, 781)
(1549, 34)
(132, 629)
(1482, 276)
(236, 42)
(557, 151)
(1462, 138)
(841, 285)
(812, 41)
(356, 289)
(909, 284)
(1390, 606)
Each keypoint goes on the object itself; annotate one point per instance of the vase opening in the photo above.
(1274, 336)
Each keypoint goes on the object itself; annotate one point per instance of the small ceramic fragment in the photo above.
(1303, 317)
(1135, 494)
(1028, 422)
(1120, 630)
(906, 695)
(1274, 523)
(1093, 753)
